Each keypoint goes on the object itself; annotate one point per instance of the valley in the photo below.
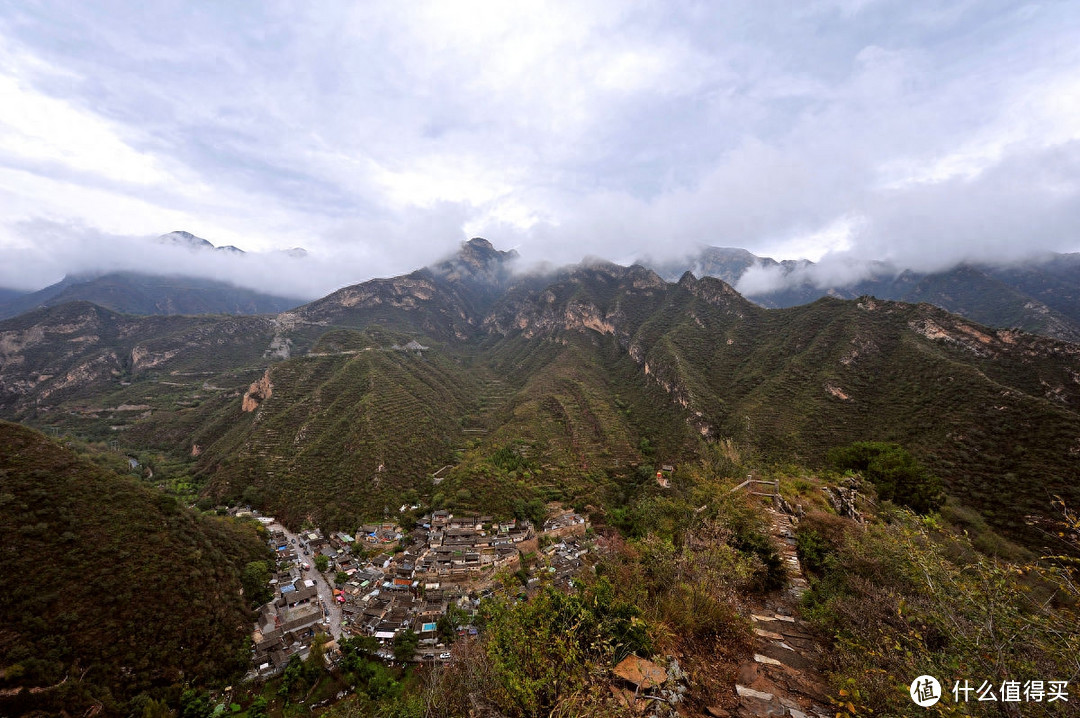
(761, 401)
(462, 409)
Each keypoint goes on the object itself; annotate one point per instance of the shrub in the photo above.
(543, 651)
(897, 475)
(904, 599)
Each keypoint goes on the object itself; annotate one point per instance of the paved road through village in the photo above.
(326, 595)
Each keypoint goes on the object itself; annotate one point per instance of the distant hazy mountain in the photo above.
(133, 293)
(7, 295)
(180, 238)
(1040, 296)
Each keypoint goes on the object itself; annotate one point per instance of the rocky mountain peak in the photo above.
(481, 244)
(477, 263)
(479, 253)
(181, 238)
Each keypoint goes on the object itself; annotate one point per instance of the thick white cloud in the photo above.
(378, 135)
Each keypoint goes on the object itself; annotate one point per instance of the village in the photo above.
(388, 583)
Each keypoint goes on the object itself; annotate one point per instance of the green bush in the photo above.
(544, 650)
(896, 474)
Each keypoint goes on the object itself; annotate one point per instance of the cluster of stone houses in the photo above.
(446, 560)
(398, 582)
(565, 523)
(564, 559)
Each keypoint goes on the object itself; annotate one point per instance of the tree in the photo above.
(152, 708)
(255, 580)
(322, 562)
(340, 578)
(450, 622)
(543, 649)
(405, 644)
(358, 647)
(315, 666)
(194, 704)
(363, 672)
(293, 678)
(257, 709)
(252, 496)
(533, 510)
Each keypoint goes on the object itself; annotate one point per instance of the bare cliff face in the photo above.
(597, 296)
(257, 393)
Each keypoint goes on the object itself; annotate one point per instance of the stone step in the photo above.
(745, 692)
(775, 655)
(795, 637)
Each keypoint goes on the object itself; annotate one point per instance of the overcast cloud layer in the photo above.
(379, 135)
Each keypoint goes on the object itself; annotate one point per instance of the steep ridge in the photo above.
(340, 436)
(79, 350)
(984, 408)
(444, 302)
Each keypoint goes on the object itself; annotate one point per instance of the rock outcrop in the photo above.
(257, 393)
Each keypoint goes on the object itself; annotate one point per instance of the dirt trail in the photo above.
(781, 679)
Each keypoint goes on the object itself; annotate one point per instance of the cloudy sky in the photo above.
(379, 135)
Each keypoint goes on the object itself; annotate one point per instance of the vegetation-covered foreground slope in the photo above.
(112, 589)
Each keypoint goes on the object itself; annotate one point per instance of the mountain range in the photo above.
(589, 375)
(1040, 295)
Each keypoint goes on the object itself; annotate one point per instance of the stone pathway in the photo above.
(781, 679)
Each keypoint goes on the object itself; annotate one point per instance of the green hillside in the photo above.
(315, 446)
(113, 589)
(995, 413)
